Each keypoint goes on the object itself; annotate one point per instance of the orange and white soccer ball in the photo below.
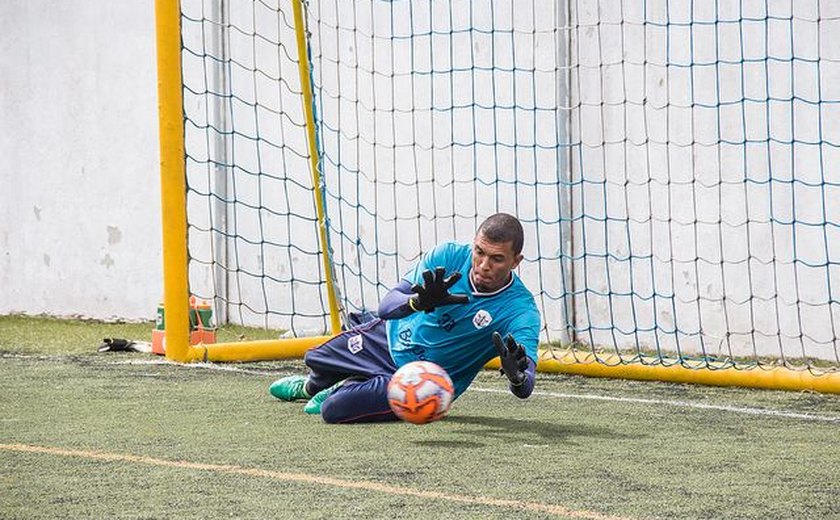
(420, 392)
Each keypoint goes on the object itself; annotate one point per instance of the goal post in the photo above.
(172, 179)
(174, 204)
(673, 166)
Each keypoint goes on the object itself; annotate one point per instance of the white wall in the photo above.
(79, 189)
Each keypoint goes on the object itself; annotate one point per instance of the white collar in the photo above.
(476, 292)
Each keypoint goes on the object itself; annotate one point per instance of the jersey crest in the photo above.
(482, 319)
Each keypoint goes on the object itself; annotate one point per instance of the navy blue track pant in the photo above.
(361, 355)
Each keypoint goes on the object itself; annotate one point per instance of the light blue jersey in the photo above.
(459, 337)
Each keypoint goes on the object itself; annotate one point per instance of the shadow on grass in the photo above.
(522, 429)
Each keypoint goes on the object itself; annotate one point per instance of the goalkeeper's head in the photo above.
(497, 250)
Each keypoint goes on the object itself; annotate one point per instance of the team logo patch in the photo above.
(354, 344)
(482, 319)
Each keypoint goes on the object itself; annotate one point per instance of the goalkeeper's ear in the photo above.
(516, 261)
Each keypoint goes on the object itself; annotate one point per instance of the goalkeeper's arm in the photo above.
(395, 304)
(516, 365)
(524, 389)
(405, 298)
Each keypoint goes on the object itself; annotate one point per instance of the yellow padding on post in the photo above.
(776, 378)
(265, 350)
(173, 183)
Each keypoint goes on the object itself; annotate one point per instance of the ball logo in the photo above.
(482, 319)
(420, 392)
(354, 344)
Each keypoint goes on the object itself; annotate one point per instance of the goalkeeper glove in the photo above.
(434, 291)
(512, 356)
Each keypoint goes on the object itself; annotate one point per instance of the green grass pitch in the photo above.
(125, 435)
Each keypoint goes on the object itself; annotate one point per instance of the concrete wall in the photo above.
(79, 189)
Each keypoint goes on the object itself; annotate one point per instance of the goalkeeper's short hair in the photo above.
(501, 228)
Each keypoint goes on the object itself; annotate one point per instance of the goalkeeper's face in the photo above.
(492, 263)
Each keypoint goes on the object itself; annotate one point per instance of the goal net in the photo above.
(674, 164)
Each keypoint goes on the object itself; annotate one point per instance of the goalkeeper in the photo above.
(435, 314)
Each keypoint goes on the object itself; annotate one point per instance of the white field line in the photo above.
(593, 397)
(306, 478)
(679, 404)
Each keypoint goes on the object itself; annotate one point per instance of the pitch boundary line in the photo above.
(306, 478)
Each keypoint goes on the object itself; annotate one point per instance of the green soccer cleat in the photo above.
(290, 388)
(313, 407)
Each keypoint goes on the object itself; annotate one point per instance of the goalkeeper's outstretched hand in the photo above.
(512, 356)
(434, 291)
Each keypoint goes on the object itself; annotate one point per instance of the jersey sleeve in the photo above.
(395, 304)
